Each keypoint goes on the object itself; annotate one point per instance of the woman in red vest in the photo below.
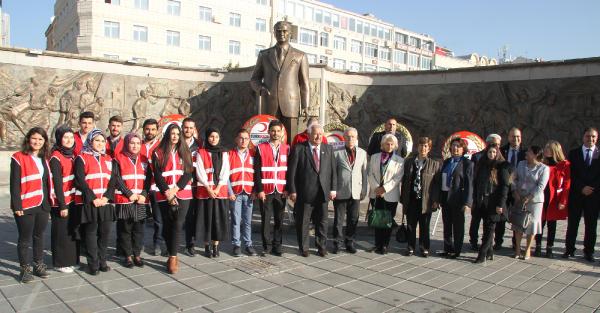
(30, 200)
(65, 218)
(131, 198)
(93, 169)
(212, 170)
(172, 170)
(556, 195)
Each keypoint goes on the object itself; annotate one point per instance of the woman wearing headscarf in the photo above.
(65, 218)
(29, 201)
(131, 197)
(212, 171)
(172, 170)
(95, 188)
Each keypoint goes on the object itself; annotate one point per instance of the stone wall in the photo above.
(548, 100)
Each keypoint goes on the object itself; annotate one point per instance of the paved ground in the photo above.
(365, 282)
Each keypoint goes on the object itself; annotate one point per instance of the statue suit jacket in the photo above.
(288, 85)
(303, 178)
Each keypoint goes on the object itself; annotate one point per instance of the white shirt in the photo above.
(243, 154)
(585, 153)
(38, 162)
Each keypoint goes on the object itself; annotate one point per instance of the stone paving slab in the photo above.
(364, 282)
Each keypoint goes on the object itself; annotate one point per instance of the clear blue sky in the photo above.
(549, 29)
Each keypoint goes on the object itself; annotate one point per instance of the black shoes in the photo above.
(350, 248)
(104, 268)
(497, 247)
(215, 251)
(237, 251)
(129, 263)
(549, 253)
(474, 246)
(207, 252)
(587, 257)
(39, 270)
(250, 251)
(25, 275)
(425, 253)
(537, 252)
(322, 252)
(409, 252)
(276, 251)
(189, 251)
(336, 248)
(568, 255)
(304, 253)
(137, 261)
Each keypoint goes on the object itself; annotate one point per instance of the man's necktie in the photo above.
(588, 157)
(316, 159)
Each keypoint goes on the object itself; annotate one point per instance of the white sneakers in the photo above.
(65, 269)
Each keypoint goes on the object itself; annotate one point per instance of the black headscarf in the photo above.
(216, 153)
(58, 135)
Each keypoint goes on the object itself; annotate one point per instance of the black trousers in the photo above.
(63, 238)
(173, 223)
(551, 234)
(272, 207)
(383, 235)
(487, 240)
(131, 236)
(190, 224)
(345, 209)
(476, 218)
(414, 216)
(302, 216)
(31, 227)
(453, 219)
(590, 217)
(96, 242)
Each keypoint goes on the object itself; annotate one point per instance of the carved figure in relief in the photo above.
(171, 104)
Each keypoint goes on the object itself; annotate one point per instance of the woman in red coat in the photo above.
(556, 195)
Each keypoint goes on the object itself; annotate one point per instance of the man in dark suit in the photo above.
(513, 152)
(311, 183)
(281, 75)
(584, 198)
(390, 128)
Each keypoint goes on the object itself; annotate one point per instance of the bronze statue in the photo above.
(281, 76)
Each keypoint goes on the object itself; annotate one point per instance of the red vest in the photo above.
(118, 147)
(171, 173)
(68, 178)
(97, 174)
(273, 171)
(241, 174)
(146, 153)
(133, 176)
(78, 144)
(32, 186)
(201, 191)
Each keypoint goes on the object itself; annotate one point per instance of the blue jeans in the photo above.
(241, 220)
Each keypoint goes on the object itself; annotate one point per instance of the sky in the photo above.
(546, 29)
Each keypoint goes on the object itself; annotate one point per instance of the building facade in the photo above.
(229, 33)
(4, 28)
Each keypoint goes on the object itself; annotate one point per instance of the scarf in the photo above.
(58, 136)
(87, 145)
(126, 141)
(207, 145)
(216, 153)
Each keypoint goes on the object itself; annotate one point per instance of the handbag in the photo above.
(519, 216)
(402, 232)
(379, 218)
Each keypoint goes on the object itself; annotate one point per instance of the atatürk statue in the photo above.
(281, 76)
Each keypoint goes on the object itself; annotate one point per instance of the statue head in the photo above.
(282, 31)
(143, 94)
(171, 93)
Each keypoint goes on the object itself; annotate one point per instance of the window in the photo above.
(354, 67)
(339, 64)
(308, 37)
(234, 47)
(138, 60)
(352, 24)
(205, 14)
(261, 2)
(309, 13)
(111, 29)
(339, 43)
(415, 42)
(319, 16)
(173, 7)
(373, 30)
(383, 69)
(427, 45)
(380, 32)
(235, 20)
(384, 53)
(359, 27)
(324, 39)
(370, 50)
(204, 43)
(335, 19)
(327, 18)
(367, 29)
(172, 63)
(115, 2)
(370, 68)
(261, 25)
(401, 38)
(387, 34)
(356, 46)
(141, 4)
(111, 56)
(344, 22)
(312, 58)
(413, 60)
(425, 63)
(140, 33)
(258, 49)
(323, 59)
(172, 38)
(299, 11)
(399, 57)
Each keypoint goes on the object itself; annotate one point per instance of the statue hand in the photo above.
(264, 91)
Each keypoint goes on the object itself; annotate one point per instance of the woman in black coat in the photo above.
(492, 179)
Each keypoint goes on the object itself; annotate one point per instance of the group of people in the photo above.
(88, 180)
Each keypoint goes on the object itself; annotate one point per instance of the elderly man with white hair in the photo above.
(351, 164)
(303, 136)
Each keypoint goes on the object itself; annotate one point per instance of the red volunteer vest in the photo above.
(118, 147)
(146, 153)
(32, 186)
(201, 191)
(68, 178)
(273, 171)
(133, 176)
(171, 173)
(78, 144)
(241, 174)
(97, 174)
